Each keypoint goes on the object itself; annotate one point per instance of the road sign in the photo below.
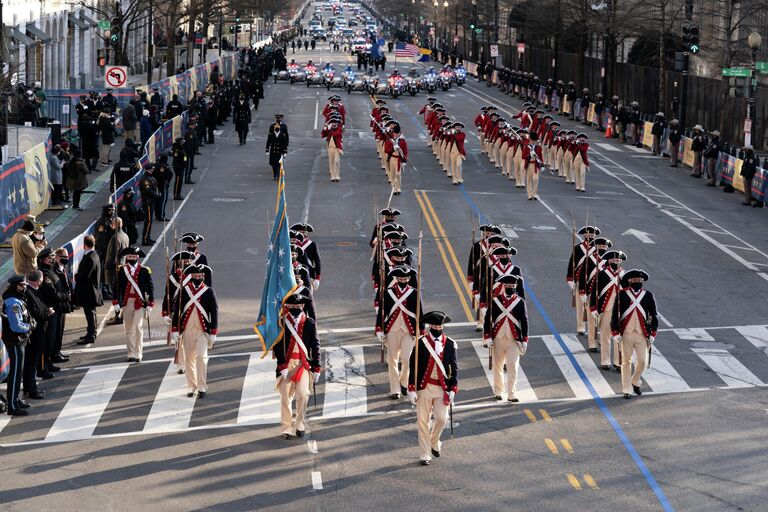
(739, 72)
(762, 67)
(103, 24)
(494, 50)
(115, 76)
(520, 47)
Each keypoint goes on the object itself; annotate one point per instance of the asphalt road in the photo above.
(113, 436)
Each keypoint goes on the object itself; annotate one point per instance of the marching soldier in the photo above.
(592, 266)
(484, 278)
(301, 274)
(332, 133)
(458, 153)
(192, 241)
(298, 355)
(396, 324)
(480, 250)
(506, 333)
(396, 149)
(311, 254)
(532, 161)
(241, 116)
(149, 195)
(174, 282)
(576, 274)
(195, 320)
(581, 162)
(601, 304)
(135, 296)
(479, 124)
(433, 383)
(390, 216)
(634, 324)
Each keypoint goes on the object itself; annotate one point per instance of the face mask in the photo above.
(600, 251)
(509, 291)
(196, 281)
(131, 262)
(636, 286)
(503, 261)
(64, 261)
(613, 266)
(436, 332)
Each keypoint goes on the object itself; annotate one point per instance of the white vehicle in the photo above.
(315, 24)
(359, 45)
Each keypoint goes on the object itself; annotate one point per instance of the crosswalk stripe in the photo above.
(81, 414)
(345, 384)
(636, 149)
(693, 334)
(727, 367)
(607, 147)
(591, 371)
(662, 377)
(171, 409)
(525, 392)
(259, 402)
(756, 335)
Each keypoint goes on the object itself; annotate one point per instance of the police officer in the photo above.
(163, 175)
(123, 170)
(16, 329)
(128, 213)
(149, 195)
(241, 115)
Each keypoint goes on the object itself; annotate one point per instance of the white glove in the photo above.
(315, 284)
(381, 336)
(412, 397)
(583, 298)
(149, 309)
(317, 377)
(284, 373)
(595, 315)
(619, 338)
(211, 341)
(117, 308)
(652, 339)
(489, 342)
(571, 285)
(175, 336)
(167, 320)
(523, 347)
(451, 395)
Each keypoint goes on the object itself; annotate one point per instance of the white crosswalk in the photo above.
(347, 388)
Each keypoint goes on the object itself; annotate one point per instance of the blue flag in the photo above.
(14, 199)
(279, 281)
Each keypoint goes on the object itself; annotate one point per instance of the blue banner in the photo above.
(14, 200)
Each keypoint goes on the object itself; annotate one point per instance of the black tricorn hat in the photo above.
(601, 240)
(128, 251)
(297, 298)
(183, 255)
(298, 250)
(390, 212)
(197, 269)
(392, 226)
(635, 273)
(591, 230)
(399, 251)
(191, 238)
(303, 226)
(508, 279)
(435, 318)
(401, 271)
(614, 254)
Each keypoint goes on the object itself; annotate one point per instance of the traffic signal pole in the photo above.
(686, 64)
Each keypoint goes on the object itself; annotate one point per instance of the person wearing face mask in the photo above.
(602, 298)
(458, 153)
(587, 279)
(396, 149)
(506, 333)
(485, 276)
(332, 133)
(575, 275)
(390, 215)
(35, 350)
(277, 148)
(25, 248)
(432, 382)
(396, 326)
(174, 283)
(135, 298)
(195, 321)
(192, 241)
(634, 325)
(241, 116)
(16, 329)
(60, 264)
(476, 255)
(501, 265)
(298, 361)
(311, 254)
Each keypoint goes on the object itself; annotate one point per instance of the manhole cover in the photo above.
(345, 244)
(712, 345)
(228, 199)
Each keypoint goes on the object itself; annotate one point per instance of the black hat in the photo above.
(297, 298)
(591, 230)
(191, 238)
(302, 226)
(435, 318)
(392, 226)
(390, 212)
(601, 240)
(495, 239)
(391, 235)
(614, 254)
(129, 251)
(500, 251)
(508, 279)
(183, 255)
(197, 269)
(381, 102)
(582, 136)
(296, 234)
(29, 224)
(298, 250)
(431, 99)
(17, 279)
(45, 253)
(399, 251)
(458, 125)
(107, 207)
(635, 273)
(401, 271)
(490, 228)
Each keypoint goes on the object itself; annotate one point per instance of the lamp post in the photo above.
(434, 27)
(473, 51)
(445, 24)
(754, 41)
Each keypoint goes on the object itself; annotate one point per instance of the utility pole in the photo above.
(685, 65)
(150, 45)
(754, 41)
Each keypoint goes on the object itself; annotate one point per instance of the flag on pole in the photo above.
(426, 54)
(403, 50)
(279, 281)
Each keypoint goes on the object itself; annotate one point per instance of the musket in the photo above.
(650, 345)
(382, 284)
(472, 252)
(146, 315)
(450, 414)
(417, 327)
(573, 262)
(488, 292)
(167, 292)
(397, 148)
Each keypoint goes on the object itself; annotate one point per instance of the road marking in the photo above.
(259, 403)
(590, 481)
(545, 415)
(525, 392)
(757, 335)
(551, 445)
(566, 445)
(727, 367)
(88, 402)
(317, 108)
(345, 383)
(763, 275)
(636, 149)
(4, 420)
(607, 147)
(568, 370)
(640, 235)
(312, 447)
(172, 409)
(530, 415)
(693, 334)
(664, 320)
(662, 377)
(574, 481)
(508, 231)
(317, 480)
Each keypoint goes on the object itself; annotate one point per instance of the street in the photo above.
(115, 436)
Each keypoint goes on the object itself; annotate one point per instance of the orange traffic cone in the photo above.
(609, 128)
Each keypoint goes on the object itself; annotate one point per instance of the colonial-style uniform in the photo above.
(476, 267)
(602, 300)
(532, 160)
(332, 134)
(506, 332)
(576, 273)
(135, 295)
(588, 281)
(311, 253)
(519, 163)
(433, 383)
(457, 153)
(396, 323)
(635, 323)
(581, 162)
(298, 356)
(174, 283)
(396, 149)
(195, 319)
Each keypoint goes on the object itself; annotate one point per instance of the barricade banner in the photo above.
(168, 134)
(75, 248)
(566, 105)
(555, 102)
(727, 169)
(190, 79)
(14, 202)
(38, 183)
(542, 93)
(150, 148)
(159, 142)
(208, 68)
(176, 127)
(182, 88)
(577, 109)
(738, 181)
(687, 153)
(591, 113)
(647, 135)
(759, 184)
(173, 86)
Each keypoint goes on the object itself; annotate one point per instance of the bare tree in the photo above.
(134, 15)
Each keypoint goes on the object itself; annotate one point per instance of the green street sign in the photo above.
(737, 72)
(762, 67)
(104, 24)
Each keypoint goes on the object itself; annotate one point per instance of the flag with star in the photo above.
(279, 281)
(14, 199)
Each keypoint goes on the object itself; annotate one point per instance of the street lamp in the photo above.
(445, 24)
(435, 25)
(754, 41)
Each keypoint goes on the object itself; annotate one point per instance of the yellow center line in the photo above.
(566, 445)
(590, 481)
(574, 481)
(545, 415)
(530, 415)
(551, 445)
(441, 249)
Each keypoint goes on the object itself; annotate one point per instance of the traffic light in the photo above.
(472, 26)
(232, 29)
(115, 29)
(237, 17)
(101, 58)
(738, 87)
(691, 37)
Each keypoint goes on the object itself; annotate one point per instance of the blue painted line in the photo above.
(652, 483)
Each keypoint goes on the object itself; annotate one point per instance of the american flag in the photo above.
(407, 50)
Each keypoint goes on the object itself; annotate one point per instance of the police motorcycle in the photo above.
(412, 82)
(461, 75)
(296, 73)
(375, 84)
(429, 81)
(395, 84)
(353, 81)
(332, 79)
(314, 75)
(445, 80)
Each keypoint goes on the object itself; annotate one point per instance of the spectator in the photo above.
(77, 179)
(146, 127)
(88, 288)
(107, 129)
(61, 262)
(40, 98)
(130, 121)
(698, 145)
(748, 171)
(174, 108)
(637, 124)
(24, 248)
(712, 154)
(674, 140)
(39, 313)
(112, 260)
(29, 109)
(16, 328)
(657, 130)
(56, 298)
(56, 175)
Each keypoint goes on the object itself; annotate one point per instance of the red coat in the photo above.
(336, 133)
(389, 148)
(480, 120)
(528, 157)
(458, 139)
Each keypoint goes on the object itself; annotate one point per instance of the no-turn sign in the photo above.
(115, 77)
